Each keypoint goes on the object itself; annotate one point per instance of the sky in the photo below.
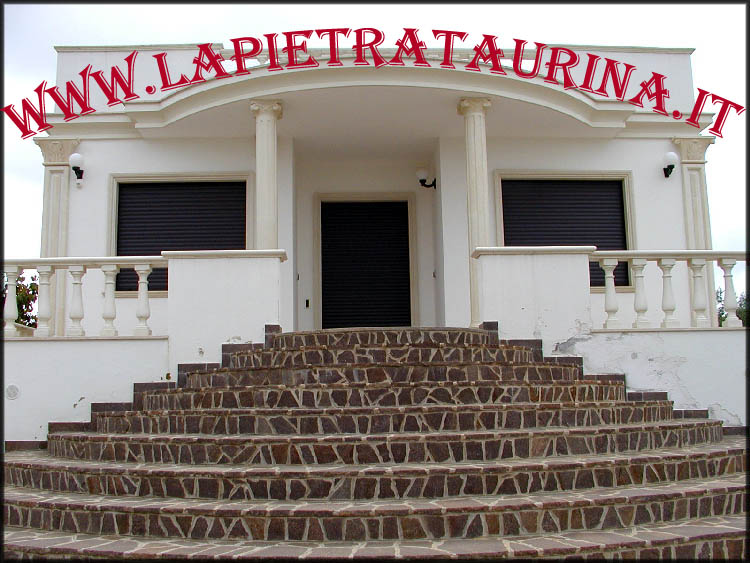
(716, 31)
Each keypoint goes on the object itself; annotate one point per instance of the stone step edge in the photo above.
(390, 436)
(724, 537)
(625, 495)
(378, 365)
(390, 385)
(375, 410)
(726, 448)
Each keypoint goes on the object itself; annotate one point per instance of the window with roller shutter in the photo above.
(566, 212)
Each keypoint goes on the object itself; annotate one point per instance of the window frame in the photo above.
(625, 176)
(149, 178)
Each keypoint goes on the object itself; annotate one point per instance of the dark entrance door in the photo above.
(365, 264)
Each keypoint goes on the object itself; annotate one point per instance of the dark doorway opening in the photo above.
(365, 264)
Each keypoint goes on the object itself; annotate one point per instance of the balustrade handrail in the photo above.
(64, 261)
(77, 267)
(675, 254)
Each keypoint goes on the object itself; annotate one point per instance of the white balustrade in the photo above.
(109, 311)
(730, 298)
(611, 305)
(76, 301)
(143, 312)
(10, 310)
(668, 304)
(696, 262)
(640, 303)
(50, 268)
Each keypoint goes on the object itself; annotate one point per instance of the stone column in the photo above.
(55, 219)
(266, 112)
(692, 152)
(478, 189)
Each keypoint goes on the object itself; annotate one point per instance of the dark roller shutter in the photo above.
(365, 264)
(566, 212)
(177, 216)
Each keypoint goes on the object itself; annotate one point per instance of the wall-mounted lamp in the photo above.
(76, 163)
(670, 160)
(422, 177)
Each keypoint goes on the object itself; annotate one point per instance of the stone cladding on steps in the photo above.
(382, 442)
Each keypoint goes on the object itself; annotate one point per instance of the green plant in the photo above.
(26, 294)
(741, 307)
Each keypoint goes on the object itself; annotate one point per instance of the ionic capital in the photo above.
(56, 151)
(266, 107)
(693, 149)
(468, 106)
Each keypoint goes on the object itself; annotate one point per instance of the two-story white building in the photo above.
(353, 195)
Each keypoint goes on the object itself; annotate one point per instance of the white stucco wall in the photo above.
(58, 379)
(700, 369)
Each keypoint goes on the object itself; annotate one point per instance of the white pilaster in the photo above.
(57, 173)
(692, 152)
(478, 190)
(266, 191)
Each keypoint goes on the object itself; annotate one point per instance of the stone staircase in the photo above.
(382, 443)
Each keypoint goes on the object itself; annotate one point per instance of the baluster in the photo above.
(76, 302)
(699, 292)
(109, 312)
(143, 312)
(10, 310)
(730, 297)
(44, 310)
(640, 302)
(668, 304)
(611, 305)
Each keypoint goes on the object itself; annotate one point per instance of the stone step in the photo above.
(343, 338)
(707, 538)
(396, 355)
(647, 395)
(383, 394)
(365, 420)
(460, 517)
(384, 373)
(39, 470)
(382, 448)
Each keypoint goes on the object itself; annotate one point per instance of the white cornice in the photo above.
(110, 48)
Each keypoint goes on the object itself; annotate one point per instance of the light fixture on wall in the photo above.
(670, 160)
(76, 163)
(422, 177)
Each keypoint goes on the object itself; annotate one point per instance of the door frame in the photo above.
(362, 197)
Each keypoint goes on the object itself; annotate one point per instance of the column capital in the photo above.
(473, 105)
(56, 151)
(260, 107)
(693, 149)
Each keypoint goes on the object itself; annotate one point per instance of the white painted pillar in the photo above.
(668, 304)
(640, 303)
(266, 190)
(611, 305)
(692, 152)
(44, 312)
(730, 297)
(76, 301)
(109, 311)
(10, 309)
(142, 310)
(478, 189)
(55, 218)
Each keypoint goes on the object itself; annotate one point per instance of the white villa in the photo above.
(350, 195)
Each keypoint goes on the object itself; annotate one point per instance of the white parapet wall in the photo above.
(700, 369)
(220, 296)
(536, 292)
(57, 379)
